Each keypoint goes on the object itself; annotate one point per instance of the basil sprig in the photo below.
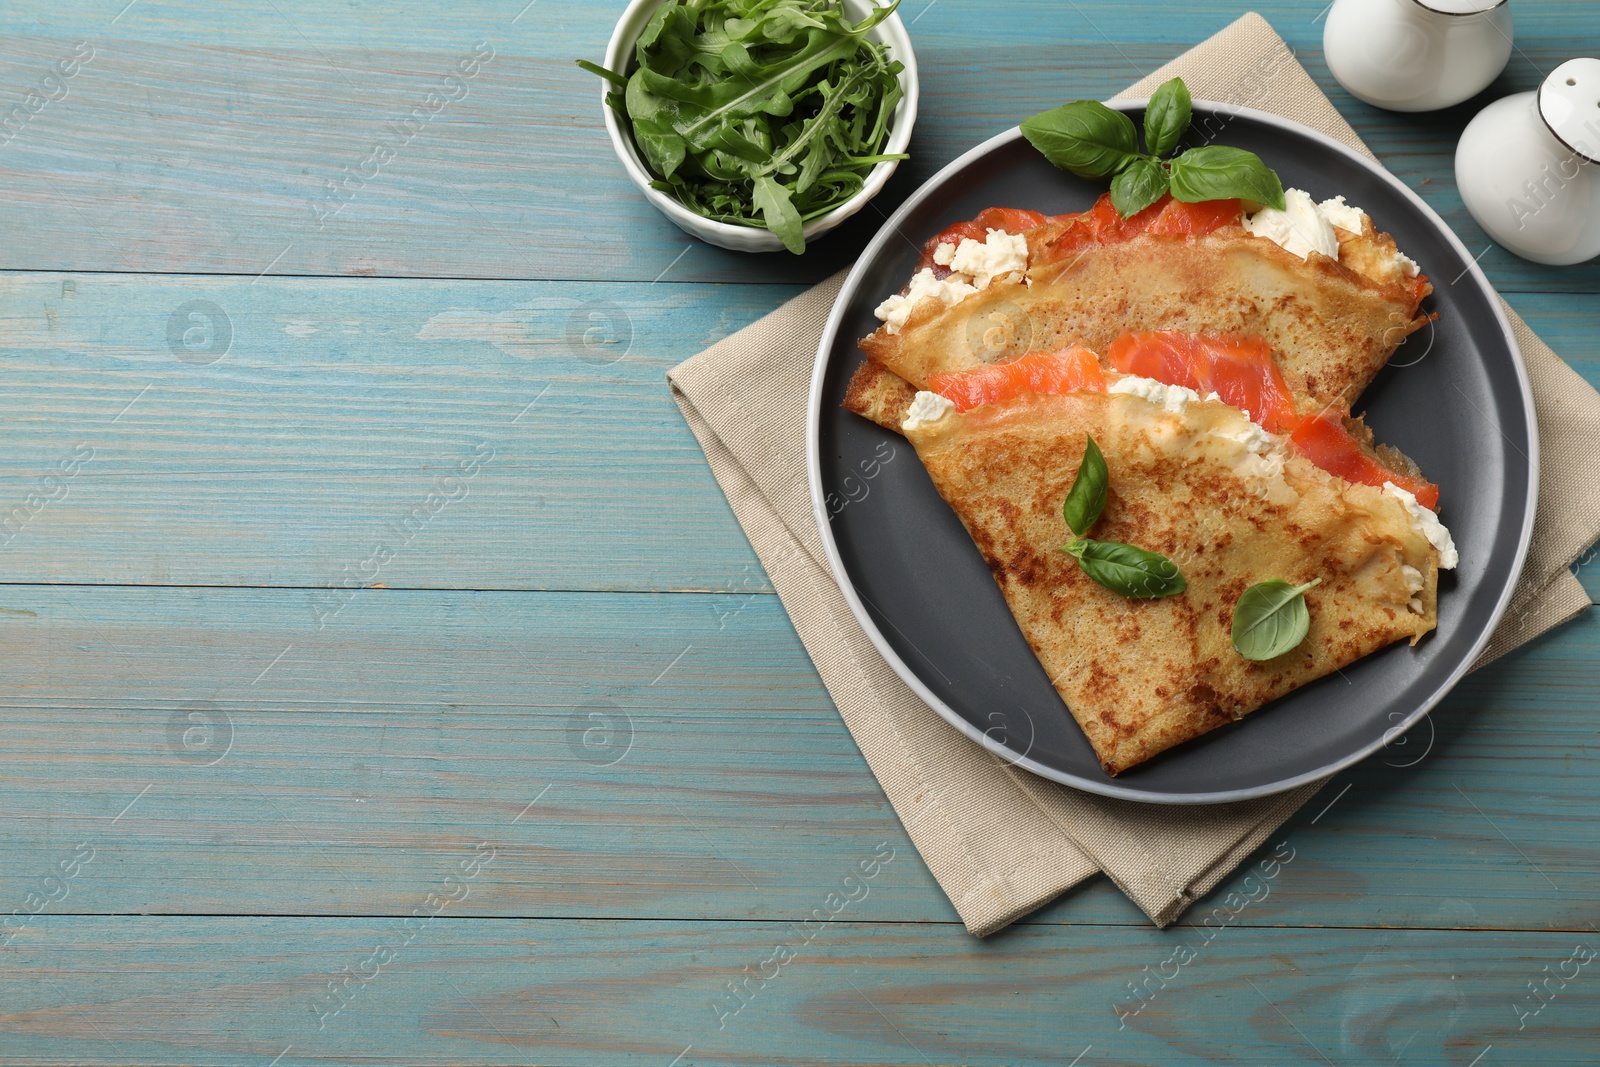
(1126, 569)
(1271, 618)
(1094, 141)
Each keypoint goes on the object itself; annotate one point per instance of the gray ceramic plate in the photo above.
(1455, 398)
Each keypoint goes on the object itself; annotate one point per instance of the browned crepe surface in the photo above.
(879, 394)
(1333, 329)
(1140, 676)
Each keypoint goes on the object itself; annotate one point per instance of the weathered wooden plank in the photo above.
(562, 22)
(370, 744)
(187, 430)
(340, 405)
(126, 990)
(684, 760)
(241, 121)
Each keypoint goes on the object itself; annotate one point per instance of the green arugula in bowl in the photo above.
(759, 112)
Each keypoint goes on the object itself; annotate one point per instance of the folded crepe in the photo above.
(1198, 482)
(1241, 370)
(1333, 295)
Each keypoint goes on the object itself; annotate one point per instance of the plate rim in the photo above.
(1109, 787)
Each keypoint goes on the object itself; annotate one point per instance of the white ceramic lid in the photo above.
(1460, 7)
(1569, 100)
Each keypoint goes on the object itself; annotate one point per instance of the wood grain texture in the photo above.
(202, 138)
(575, 723)
(339, 404)
(306, 420)
(684, 760)
(244, 991)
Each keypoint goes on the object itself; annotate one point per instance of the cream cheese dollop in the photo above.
(926, 408)
(1261, 466)
(1414, 585)
(1348, 217)
(1174, 398)
(1302, 227)
(1428, 525)
(998, 254)
(1254, 439)
(974, 265)
(1305, 226)
(948, 291)
(1343, 215)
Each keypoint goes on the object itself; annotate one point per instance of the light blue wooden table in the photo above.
(386, 680)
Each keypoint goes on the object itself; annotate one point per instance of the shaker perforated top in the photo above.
(1460, 7)
(1569, 100)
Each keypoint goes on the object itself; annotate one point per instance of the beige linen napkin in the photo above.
(1000, 841)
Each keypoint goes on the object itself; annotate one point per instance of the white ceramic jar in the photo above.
(1417, 55)
(1529, 167)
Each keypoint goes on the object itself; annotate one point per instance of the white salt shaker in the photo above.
(1417, 55)
(1529, 167)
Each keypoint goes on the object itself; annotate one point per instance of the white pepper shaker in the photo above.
(1529, 167)
(1417, 55)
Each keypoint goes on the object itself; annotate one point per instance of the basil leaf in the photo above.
(1087, 497)
(1142, 184)
(1084, 137)
(1133, 572)
(1217, 172)
(1166, 117)
(1271, 618)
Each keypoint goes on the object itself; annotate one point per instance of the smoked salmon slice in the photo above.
(1174, 218)
(1240, 369)
(1324, 440)
(1072, 370)
(1103, 224)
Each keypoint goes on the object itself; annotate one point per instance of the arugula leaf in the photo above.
(1142, 184)
(1084, 137)
(1087, 497)
(609, 75)
(662, 149)
(772, 200)
(1217, 172)
(1271, 618)
(759, 112)
(658, 25)
(754, 98)
(1167, 116)
(1133, 572)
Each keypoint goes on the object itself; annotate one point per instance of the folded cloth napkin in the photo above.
(1001, 841)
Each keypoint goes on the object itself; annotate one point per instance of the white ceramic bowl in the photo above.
(619, 57)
